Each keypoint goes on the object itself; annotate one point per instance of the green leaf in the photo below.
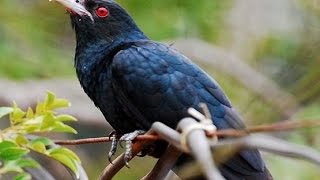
(65, 151)
(43, 140)
(39, 147)
(30, 113)
(48, 122)
(4, 111)
(17, 165)
(7, 144)
(13, 153)
(68, 162)
(61, 127)
(11, 167)
(23, 176)
(26, 163)
(64, 118)
(17, 114)
(40, 108)
(31, 128)
(60, 103)
(21, 140)
(49, 99)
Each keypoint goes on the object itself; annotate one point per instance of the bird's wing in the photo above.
(160, 84)
(156, 78)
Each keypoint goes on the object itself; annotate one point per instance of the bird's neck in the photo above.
(91, 52)
(93, 57)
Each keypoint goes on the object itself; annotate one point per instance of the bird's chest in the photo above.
(95, 76)
(99, 87)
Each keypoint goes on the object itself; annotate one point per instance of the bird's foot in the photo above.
(114, 144)
(128, 138)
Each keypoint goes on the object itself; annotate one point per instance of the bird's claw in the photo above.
(114, 145)
(128, 138)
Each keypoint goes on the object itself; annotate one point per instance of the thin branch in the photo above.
(284, 126)
(103, 140)
(164, 164)
(272, 145)
(83, 141)
(112, 169)
(195, 139)
(277, 127)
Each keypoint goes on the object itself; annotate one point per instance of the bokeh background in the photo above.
(270, 59)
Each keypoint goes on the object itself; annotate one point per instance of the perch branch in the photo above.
(164, 164)
(195, 139)
(167, 134)
(112, 169)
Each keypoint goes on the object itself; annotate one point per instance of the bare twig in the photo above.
(272, 145)
(164, 164)
(195, 139)
(112, 169)
(104, 139)
(163, 133)
(276, 127)
(170, 135)
(83, 141)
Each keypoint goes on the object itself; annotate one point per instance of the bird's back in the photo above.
(153, 82)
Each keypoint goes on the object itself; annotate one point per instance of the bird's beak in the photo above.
(75, 7)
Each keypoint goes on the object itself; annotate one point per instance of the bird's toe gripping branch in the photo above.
(114, 145)
(128, 138)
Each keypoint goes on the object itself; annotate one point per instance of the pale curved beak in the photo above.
(75, 7)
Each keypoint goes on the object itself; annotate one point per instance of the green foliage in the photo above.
(293, 63)
(179, 18)
(14, 144)
(310, 112)
(291, 169)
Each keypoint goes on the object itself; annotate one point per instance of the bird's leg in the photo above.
(114, 145)
(128, 138)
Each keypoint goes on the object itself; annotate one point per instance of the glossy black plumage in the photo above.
(135, 81)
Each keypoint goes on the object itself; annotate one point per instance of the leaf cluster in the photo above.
(15, 144)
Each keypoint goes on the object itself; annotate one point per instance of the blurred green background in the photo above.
(278, 38)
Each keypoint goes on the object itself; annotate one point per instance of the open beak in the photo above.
(75, 7)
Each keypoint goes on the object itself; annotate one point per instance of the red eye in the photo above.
(102, 12)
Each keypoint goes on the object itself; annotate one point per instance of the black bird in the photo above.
(135, 81)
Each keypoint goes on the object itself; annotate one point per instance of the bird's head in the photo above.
(101, 20)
